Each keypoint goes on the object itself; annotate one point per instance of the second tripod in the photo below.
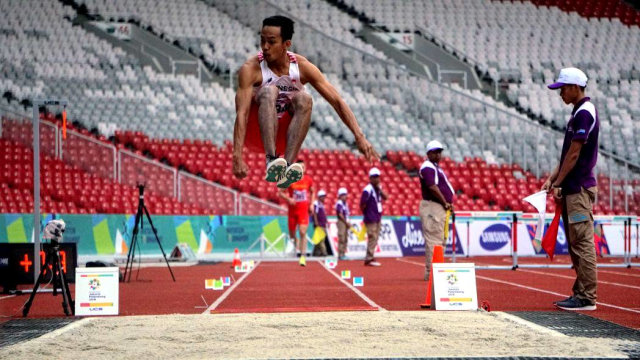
(142, 210)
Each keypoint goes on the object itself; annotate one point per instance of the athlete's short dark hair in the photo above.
(285, 24)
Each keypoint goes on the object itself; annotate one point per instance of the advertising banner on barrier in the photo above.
(218, 236)
(387, 242)
(490, 237)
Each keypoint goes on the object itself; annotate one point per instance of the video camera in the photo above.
(53, 230)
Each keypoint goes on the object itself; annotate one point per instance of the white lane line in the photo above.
(538, 290)
(347, 284)
(228, 292)
(573, 278)
(6, 297)
(618, 273)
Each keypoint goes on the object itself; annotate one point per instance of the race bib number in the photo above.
(300, 195)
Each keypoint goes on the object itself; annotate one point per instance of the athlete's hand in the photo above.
(291, 201)
(240, 168)
(367, 149)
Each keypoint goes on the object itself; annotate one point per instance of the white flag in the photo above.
(539, 201)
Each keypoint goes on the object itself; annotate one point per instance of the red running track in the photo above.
(397, 285)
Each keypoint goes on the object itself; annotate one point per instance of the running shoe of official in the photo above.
(576, 304)
(303, 261)
(292, 175)
(567, 299)
(276, 168)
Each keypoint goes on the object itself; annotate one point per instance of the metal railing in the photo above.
(207, 195)
(251, 205)
(89, 154)
(136, 169)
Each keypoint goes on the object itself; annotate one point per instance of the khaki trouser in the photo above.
(373, 232)
(432, 217)
(577, 216)
(343, 237)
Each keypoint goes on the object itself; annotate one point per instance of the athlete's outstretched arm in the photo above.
(315, 77)
(243, 105)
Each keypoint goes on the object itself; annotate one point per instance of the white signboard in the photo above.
(97, 291)
(454, 286)
(121, 31)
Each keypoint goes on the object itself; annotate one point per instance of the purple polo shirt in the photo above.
(583, 126)
(431, 174)
(342, 208)
(372, 202)
(318, 209)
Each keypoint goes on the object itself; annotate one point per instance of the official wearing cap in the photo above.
(342, 212)
(371, 206)
(573, 185)
(437, 198)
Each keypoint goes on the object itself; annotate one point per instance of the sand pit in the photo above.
(308, 335)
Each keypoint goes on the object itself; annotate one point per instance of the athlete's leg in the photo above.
(267, 118)
(302, 104)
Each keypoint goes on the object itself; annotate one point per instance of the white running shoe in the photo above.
(276, 169)
(293, 174)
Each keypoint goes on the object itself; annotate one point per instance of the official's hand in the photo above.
(448, 206)
(240, 168)
(367, 149)
(546, 186)
(557, 195)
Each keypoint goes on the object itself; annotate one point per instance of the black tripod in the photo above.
(52, 258)
(142, 210)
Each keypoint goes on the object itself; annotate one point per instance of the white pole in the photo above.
(36, 190)
(36, 181)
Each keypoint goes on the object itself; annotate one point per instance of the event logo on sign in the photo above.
(495, 237)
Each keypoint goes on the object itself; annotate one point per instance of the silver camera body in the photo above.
(53, 230)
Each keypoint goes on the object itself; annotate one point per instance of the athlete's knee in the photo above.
(302, 101)
(267, 94)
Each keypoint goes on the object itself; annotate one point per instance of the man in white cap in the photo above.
(320, 220)
(342, 212)
(371, 206)
(574, 186)
(437, 198)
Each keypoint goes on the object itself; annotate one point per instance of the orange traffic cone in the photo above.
(438, 257)
(236, 259)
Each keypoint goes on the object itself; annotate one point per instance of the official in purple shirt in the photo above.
(342, 212)
(320, 220)
(574, 186)
(371, 206)
(437, 199)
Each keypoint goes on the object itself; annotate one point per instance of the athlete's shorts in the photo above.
(253, 138)
(298, 217)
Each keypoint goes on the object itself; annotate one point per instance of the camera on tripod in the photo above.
(53, 232)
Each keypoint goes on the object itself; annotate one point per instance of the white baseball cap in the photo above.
(374, 172)
(342, 191)
(434, 145)
(322, 193)
(569, 76)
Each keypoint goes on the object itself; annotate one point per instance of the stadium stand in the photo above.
(174, 131)
(521, 42)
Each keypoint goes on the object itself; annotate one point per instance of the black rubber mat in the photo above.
(577, 324)
(18, 330)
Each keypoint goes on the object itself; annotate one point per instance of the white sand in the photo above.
(307, 335)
